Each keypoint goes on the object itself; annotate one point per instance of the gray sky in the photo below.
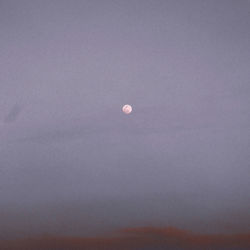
(69, 156)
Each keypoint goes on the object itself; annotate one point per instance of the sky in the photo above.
(72, 163)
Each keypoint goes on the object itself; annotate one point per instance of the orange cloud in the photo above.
(135, 238)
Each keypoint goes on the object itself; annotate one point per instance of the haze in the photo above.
(71, 163)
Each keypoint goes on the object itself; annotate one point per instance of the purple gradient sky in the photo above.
(72, 163)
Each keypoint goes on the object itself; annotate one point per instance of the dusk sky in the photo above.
(72, 163)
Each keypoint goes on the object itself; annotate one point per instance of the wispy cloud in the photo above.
(13, 114)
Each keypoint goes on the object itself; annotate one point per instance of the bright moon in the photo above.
(127, 109)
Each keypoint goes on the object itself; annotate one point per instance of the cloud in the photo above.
(136, 238)
(13, 114)
(144, 122)
(187, 239)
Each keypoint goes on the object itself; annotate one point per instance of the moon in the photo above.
(127, 109)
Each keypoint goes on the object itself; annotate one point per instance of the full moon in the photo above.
(127, 109)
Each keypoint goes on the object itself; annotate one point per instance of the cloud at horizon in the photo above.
(147, 238)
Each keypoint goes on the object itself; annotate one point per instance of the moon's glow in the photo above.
(127, 109)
